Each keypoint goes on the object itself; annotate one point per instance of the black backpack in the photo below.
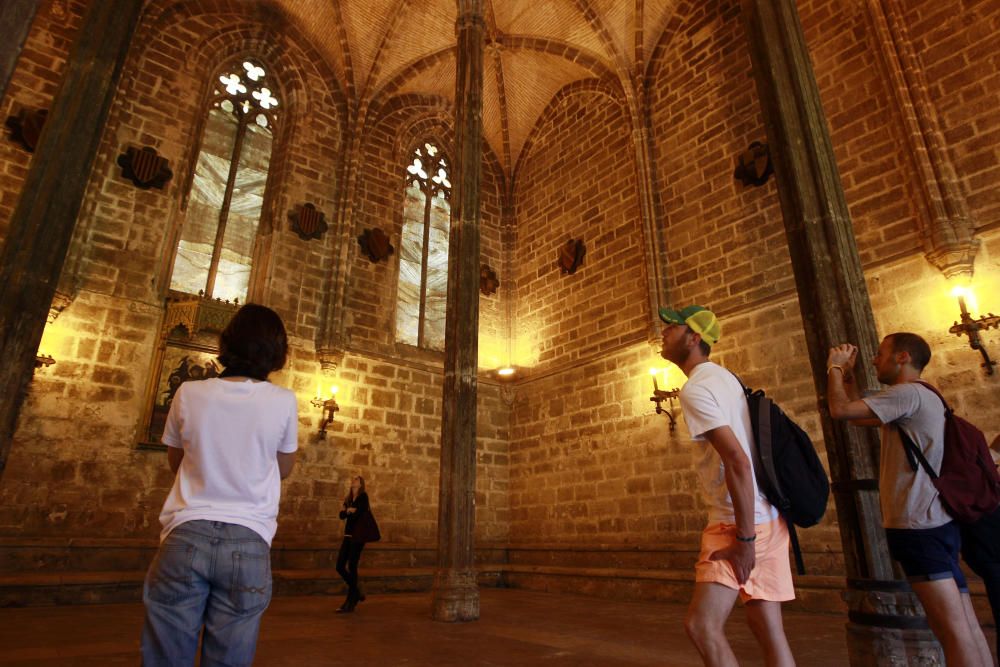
(788, 470)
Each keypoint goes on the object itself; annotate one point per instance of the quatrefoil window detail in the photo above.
(254, 72)
(232, 84)
(243, 91)
(265, 98)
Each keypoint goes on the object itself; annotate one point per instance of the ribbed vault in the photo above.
(385, 48)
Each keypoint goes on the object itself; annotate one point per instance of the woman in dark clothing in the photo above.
(357, 515)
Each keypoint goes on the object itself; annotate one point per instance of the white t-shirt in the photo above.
(231, 433)
(908, 497)
(712, 397)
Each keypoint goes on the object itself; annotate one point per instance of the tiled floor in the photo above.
(516, 628)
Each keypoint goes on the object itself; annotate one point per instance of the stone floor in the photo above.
(517, 628)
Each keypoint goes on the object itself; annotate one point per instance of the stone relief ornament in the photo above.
(375, 245)
(488, 281)
(571, 256)
(26, 127)
(754, 166)
(144, 167)
(308, 222)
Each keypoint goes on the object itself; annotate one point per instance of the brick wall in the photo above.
(955, 41)
(576, 179)
(32, 86)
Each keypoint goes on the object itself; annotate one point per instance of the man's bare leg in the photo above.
(946, 614)
(706, 620)
(978, 636)
(764, 619)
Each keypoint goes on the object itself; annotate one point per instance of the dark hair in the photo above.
(920, 351)
(705, 348)
(347, 500)
(254, 343)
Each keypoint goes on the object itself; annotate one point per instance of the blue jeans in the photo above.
(206, 573)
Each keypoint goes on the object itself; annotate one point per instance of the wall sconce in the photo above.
(329, 408)
(44, 360)
(660, 395)
(971, 327)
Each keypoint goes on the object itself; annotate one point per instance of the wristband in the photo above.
(832, 366)
(746, 539)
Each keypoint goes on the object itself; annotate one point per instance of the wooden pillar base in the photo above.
(456, 596)
(887, 626)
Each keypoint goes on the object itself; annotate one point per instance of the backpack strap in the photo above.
(800, 565)
(765, 450)
(762, 454)
(928, 385)
(913, 453)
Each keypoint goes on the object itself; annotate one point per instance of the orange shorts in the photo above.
(771, 577)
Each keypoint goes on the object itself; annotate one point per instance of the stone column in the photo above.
(43, 222)
(886, 624)
(456, 594)
(15, 21)
(948, 232)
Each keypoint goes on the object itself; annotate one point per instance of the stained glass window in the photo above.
(423, 260)
(227, 193)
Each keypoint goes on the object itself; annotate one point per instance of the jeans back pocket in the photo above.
(170, 575)
(251, 588)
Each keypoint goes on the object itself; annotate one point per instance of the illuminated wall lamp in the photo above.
(660, 395)
(971, 327)
(329, 407)
(44, 360)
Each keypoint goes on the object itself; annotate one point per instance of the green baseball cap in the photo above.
(700, 319)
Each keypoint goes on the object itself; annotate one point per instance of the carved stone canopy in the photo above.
(193, 314)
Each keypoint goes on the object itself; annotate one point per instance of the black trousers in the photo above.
(981, 550)
(347, 564)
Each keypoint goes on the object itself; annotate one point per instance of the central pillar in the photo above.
(456, 593)
(886, 624)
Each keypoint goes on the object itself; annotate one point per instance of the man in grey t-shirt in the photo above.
(920, 533)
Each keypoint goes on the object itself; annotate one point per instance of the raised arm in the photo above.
(843, 402)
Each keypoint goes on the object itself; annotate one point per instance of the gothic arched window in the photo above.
(422, 290)
(227, 192)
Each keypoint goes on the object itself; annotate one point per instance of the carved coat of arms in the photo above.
(308, 222)
(144, 167)
(571, 256)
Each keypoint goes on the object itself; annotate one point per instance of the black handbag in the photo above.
(366, 529)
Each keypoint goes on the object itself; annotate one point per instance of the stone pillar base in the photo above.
(456, 596)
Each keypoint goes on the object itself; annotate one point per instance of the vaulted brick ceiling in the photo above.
(383, 48)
